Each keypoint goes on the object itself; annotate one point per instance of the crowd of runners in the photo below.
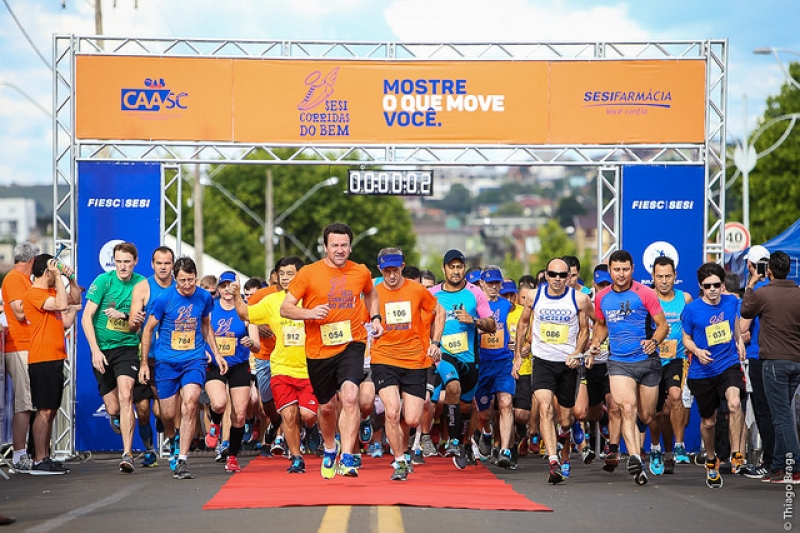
(325, 360)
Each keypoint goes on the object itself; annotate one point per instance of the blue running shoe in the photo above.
(577, 432)
(176, 448)
(375, 450)
(656, 462)
(365, 431)
(347, 466)
(329, 466)
(150, 460)
(565, 469)
(681, 457)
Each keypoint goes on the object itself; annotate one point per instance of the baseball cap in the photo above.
(227, 276)
(602, 276)
(491, 275)
(390, 260)
(452, 255)
(508, 287)
(757, 253)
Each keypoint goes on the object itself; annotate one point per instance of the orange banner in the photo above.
(346, 102)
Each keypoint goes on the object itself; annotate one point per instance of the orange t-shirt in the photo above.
(404, 312)
(46, 327)
(267, 343)
(15, 285)
(341, 288)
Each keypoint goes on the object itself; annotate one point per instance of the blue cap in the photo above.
(508, 287)
(491, 275)
(227, 276)
(602, 276)
(390, 260)
(474, 276)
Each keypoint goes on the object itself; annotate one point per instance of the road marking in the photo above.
(58, 523)
(335, 519)
(390, 520)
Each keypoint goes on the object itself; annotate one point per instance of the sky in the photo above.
(25, 129)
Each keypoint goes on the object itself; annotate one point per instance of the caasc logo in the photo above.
(154, 97)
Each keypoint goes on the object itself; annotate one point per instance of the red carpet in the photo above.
(264, 483)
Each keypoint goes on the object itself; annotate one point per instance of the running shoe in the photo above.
(428, 448)
(452, 448)
(555, 476)
(150, 460)
(248, 432)
(182, 471)
(232, 465)
(737, 463)
(611, 462)
(298, 466)
(669, 466)
(782, 477)
(357, 460)
(375, 450)
(755, 471)
(713, 477)
(588, 455)
(329, 465)
(535, 446)
(523, 446)
(115, 425)
(417, 458)
(460, 458)
(681, 457)
(278, 447)
(504, 459)
(656, 462)
(485, 444)
(365, 431)
(166, 446)
(48, 467)
(174, 451)
(126, 465)
(212, 437)
(577, 432)
(347, 466)
(565, 469)
(635, 465)
(400, 471)
(409, 464)
(23, 466)
(223, 449)
(272, 430)
(256, 434)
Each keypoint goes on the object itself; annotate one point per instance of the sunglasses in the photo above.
(711, 285)
(554, 274)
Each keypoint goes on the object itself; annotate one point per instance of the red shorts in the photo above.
(288, 390)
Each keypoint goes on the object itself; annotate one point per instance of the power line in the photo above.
(27, 37)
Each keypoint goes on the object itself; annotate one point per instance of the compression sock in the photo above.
(237, 434)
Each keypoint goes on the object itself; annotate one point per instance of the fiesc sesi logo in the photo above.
(154, 97)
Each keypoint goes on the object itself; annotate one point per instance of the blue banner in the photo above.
(116, 202)
(662, 214)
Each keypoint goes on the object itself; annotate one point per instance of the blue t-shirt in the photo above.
(228, 330)
(179, 334)
(716, 324)
(155, 292)
(458, 340)
(672, 312)
(629, 317)
(751, 348)
(494, 346)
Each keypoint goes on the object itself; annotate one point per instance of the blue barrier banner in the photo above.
(116, 202)
(662, 214)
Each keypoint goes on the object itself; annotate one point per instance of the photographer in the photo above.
(777, 305)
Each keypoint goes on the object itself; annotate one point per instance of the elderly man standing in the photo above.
(777, 305)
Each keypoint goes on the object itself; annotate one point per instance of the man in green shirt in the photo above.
(112, 337)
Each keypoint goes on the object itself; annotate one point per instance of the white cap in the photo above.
(757, 253)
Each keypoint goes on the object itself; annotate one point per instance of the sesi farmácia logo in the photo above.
(628, 102)
(154, 97)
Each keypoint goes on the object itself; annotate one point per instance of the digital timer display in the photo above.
(390, 182)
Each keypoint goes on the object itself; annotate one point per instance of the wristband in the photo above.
(438, 344)
(375, 317)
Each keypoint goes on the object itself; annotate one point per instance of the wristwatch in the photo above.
(438, 344)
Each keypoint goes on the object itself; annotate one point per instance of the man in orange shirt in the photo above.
(332, 309)
(401, 357)
(18, 339)
(49, 310)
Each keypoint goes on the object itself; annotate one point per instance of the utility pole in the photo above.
(269, 227)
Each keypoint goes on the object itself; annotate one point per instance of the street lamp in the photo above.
(366, 233)
(774, 52)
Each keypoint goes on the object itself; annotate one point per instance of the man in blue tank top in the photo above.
(671, 416)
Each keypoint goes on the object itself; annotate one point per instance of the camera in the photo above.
(761, 268)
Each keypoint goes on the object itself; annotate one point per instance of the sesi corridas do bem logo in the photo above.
(154, 97)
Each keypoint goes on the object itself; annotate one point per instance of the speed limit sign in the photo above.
(737, 238)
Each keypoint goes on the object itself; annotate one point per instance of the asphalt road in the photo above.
(96, 498)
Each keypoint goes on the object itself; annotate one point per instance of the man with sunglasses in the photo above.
(559, 335)
(711, 334)
(626, 312)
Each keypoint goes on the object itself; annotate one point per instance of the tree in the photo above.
(568, 208)
(774, 185)
(554, 243)
(458, 200)
(235, 238)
